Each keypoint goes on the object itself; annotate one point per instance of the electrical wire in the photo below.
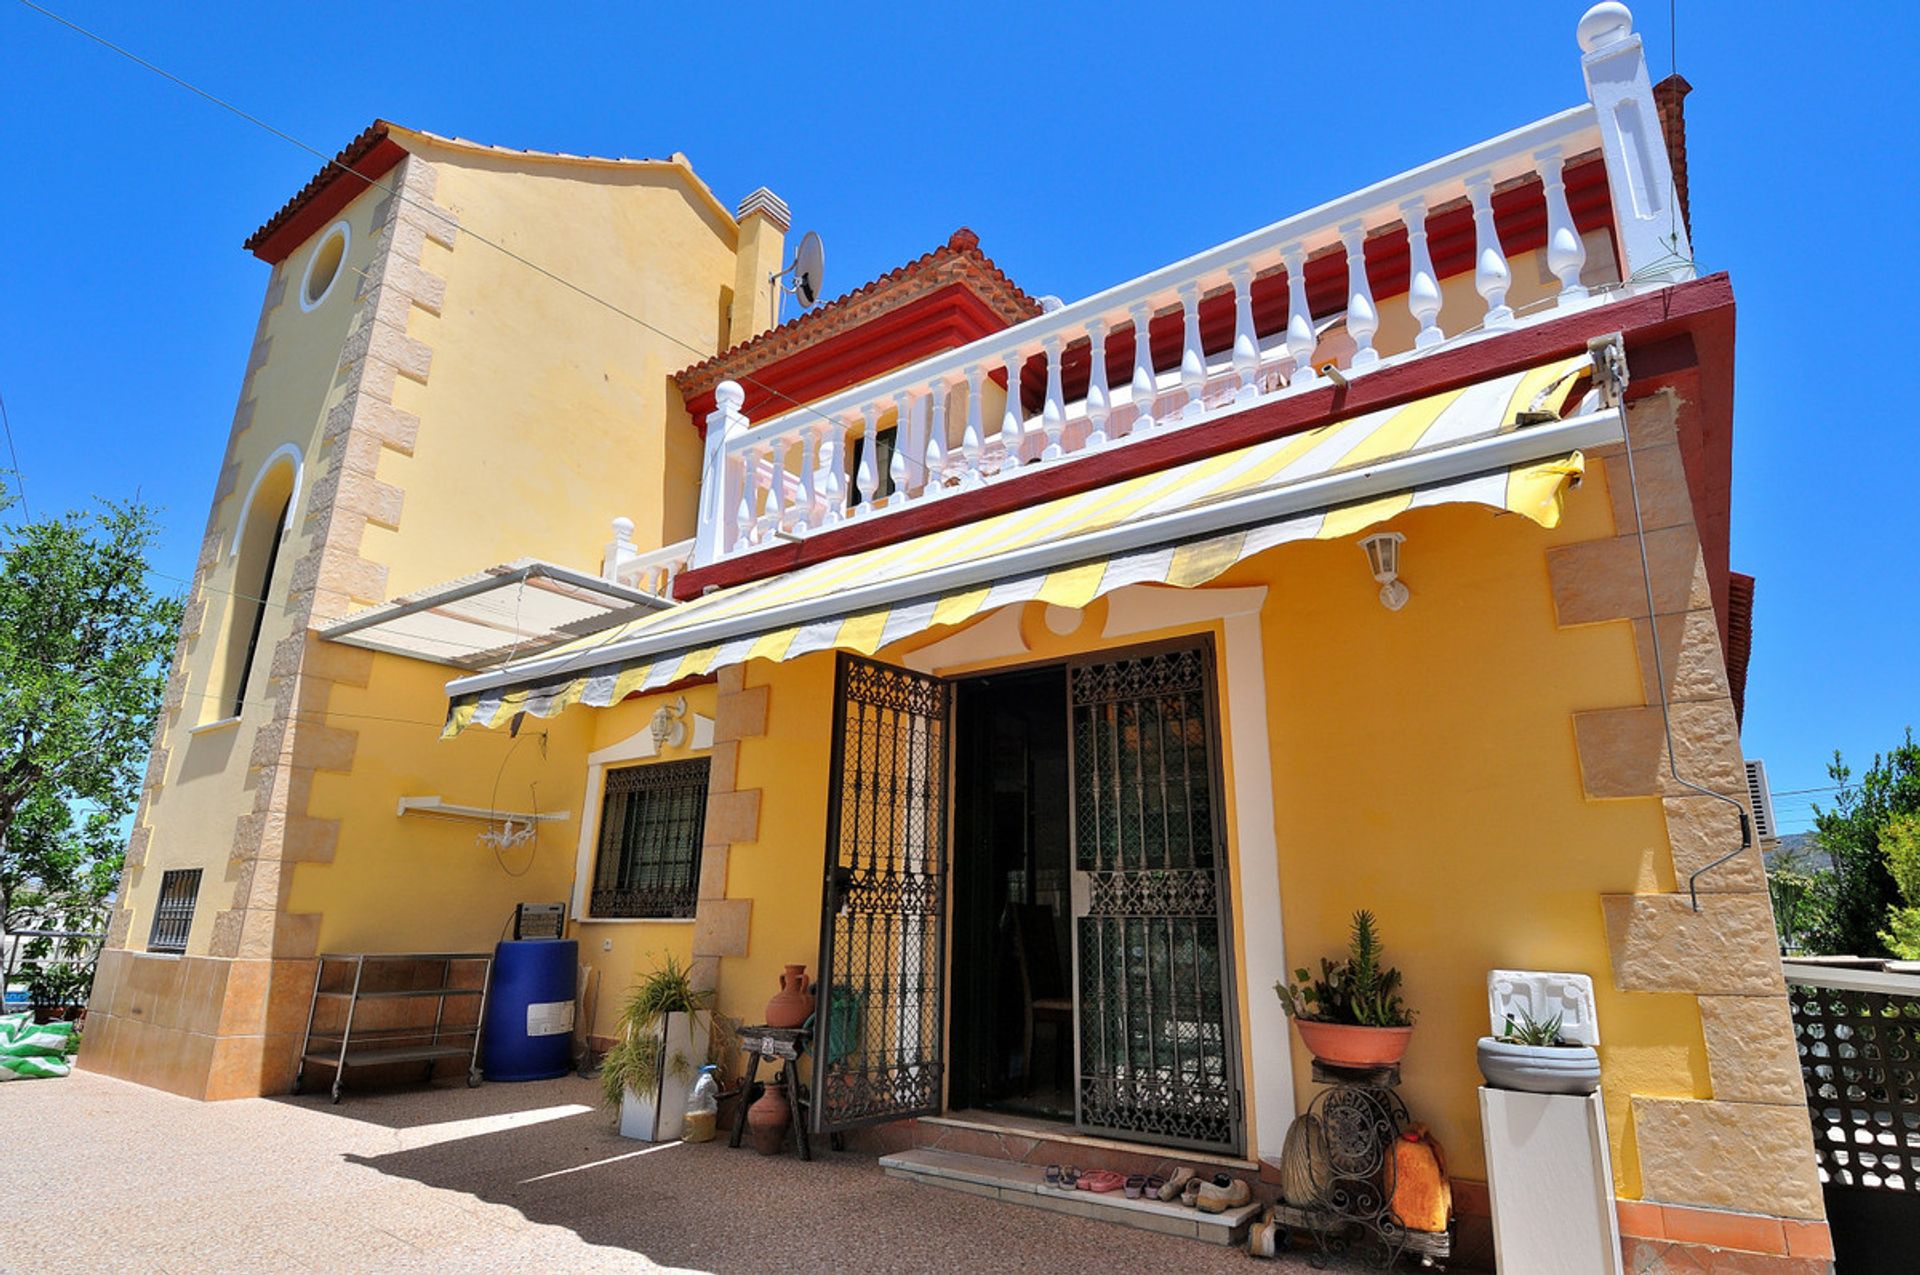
(19, 479)
(432, 210)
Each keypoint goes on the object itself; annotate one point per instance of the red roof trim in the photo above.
(363, 161)
(1002, 303)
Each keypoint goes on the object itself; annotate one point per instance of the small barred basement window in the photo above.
(651, 825)
(173, 914)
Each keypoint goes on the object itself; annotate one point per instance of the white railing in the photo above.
(819, 465)
(652, 572)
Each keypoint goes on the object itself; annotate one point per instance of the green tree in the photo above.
(1862, 890)
(84, 642)
(1900, 843)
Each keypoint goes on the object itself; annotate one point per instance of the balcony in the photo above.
(1397, 272)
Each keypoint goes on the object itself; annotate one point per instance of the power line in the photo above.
(20, 479)
(331, 162)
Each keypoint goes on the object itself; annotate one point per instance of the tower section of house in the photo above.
(463, 358)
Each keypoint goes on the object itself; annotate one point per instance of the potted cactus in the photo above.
(1531, 1056)
(1350, 1015)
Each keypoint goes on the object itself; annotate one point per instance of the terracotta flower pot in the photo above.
(1344, 1045)
(767, 1119)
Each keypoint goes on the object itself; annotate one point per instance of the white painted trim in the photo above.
(1851, 980)
(207, 728)
(1485, 455)
(638, 746)
(345, 234)
(996, 637)
(286, 451)
(633, 920)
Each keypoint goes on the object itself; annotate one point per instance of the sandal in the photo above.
(1150, 1189)
(1069, 1178)
(1101, 1181)
(1053, 1175)
(1136, 1183)
(1171, 1188)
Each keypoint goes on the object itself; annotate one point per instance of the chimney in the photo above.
(764, 220)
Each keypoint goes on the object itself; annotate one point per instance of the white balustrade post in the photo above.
(620, 550)
(837, 484)
(1423, 288)
(1301, 339)
(1053, 413)
(776, 516)
(869, 458)
(935, 461)
(1013, 421)
(1363, 320)
(1246, 341)
(1145, 391)
(1491, 277)
(1646, 211)
(812, 506)
(713, 536)
(746, 517)
(904, 469)
(1099, 397)
(973, 444)
(1193, 358)
(1566, 255)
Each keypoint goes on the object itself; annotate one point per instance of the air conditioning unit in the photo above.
(1760, 797)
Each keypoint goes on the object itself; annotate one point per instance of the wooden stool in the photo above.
(784, 1044)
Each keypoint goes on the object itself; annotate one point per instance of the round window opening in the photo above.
(323, 267)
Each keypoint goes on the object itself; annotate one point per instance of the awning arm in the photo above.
(533, 570)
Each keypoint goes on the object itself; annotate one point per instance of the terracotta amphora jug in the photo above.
(794, 1003)
(767, 1119)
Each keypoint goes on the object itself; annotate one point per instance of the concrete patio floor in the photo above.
(105, 1175)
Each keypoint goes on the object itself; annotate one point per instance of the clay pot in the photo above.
(794, 1003)
(1343, 1045)
(767, 1119)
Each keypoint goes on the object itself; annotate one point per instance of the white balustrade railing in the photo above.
(652, 572)
(955, 421)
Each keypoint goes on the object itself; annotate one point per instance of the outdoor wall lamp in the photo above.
(666, 724)
(1383, 555)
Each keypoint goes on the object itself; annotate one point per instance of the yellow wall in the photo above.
(548, 415)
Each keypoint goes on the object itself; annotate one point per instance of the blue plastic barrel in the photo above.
(528, 1034)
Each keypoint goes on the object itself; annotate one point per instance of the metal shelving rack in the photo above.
(369, 1047)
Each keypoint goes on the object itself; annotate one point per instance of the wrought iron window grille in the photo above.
(652, 821)
(173, 914)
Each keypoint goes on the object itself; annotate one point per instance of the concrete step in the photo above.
(1026, 1184)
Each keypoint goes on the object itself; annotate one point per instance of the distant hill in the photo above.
(1800, 851)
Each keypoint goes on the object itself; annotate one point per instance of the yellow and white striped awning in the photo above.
(1181, 526)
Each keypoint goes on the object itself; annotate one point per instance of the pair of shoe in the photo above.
(1223, 1192)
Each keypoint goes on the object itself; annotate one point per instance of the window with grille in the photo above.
(173, 914)
(651, 825)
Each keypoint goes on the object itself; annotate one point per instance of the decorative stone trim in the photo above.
(1728, 1155)
(720, 924)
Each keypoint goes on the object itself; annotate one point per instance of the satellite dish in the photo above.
(806, 272)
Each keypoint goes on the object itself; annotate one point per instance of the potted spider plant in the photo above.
(1533, 1057)
(664, 1032)
(1350, 1015)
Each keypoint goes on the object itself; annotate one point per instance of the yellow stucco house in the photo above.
(1024, 678)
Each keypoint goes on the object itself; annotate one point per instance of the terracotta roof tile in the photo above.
(959, 260)
(1669, 97)
(1739, 639)
(350, 155)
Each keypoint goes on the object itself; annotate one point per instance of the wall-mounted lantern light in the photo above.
(668, 729)
(1383, 555)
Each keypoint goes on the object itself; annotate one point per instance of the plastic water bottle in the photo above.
(703, 1106)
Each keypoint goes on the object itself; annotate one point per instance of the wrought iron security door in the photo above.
(1157, 1054)
(878, 1023)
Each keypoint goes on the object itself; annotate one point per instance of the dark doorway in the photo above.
(1013, 1032)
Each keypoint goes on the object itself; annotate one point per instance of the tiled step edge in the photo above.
(1025, 1184)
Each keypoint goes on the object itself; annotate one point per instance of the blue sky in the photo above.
(1085, 143)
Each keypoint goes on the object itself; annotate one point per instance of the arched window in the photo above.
(256, 555)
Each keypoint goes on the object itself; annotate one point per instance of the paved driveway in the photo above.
(501, 1178)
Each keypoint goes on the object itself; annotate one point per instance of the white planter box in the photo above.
(659, 1116)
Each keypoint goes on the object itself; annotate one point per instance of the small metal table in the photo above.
(783, 1046)
(1358, 1116)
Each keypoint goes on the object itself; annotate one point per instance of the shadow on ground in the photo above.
(708, 1207)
